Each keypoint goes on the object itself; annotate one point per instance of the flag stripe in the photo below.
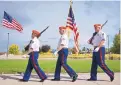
(11, 23)
(7, 24)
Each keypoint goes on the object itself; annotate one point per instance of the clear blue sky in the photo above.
(39, 14)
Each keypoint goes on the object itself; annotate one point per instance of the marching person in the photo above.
(98, 40)
(33, 59)
(62, 51)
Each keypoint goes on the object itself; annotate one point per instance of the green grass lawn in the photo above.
(80, 66)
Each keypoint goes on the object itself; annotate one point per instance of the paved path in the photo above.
(103, 79)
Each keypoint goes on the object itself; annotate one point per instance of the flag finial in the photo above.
(71, 2)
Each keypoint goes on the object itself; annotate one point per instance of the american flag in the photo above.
(11, 23)
(72, 25)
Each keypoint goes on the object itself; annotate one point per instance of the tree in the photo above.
(80, 51)
(83, 49)
(45, 48)
(116, 44)
(14, 49)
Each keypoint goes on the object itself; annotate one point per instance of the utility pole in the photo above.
(108, 46)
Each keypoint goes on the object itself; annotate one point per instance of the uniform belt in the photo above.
(65, 48)
(35, 51)
(95, 47)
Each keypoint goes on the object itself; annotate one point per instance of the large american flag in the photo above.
(11, 23)
(71, 24)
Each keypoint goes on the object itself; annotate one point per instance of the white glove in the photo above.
(97, 49)
(55, 53)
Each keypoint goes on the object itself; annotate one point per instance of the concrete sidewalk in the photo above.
(103, 79)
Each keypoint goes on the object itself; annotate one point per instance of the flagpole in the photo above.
(71, 2)
(77, 51)
(8, 46)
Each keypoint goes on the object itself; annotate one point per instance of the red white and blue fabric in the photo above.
(11, 23)
(72, 25)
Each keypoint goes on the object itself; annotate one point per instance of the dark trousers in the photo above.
(62, 61)
(99, 59)
(33, 63)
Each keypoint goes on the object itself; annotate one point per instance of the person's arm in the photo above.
(90, 40)
(101, 43)
(32, 46)
(62, 43)
(30, 50)
(60, 47)
(103, 39)
(27, 46)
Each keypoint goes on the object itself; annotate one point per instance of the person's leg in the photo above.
(35, 64)
(94, 67)
(28, 71)
(58, 69)
(101, 63)
(68, 69)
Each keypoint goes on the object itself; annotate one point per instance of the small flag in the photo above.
(11, 23)
(72, 25)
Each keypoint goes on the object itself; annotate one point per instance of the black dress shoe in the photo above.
(91, 79)
(112, 78)
(42, 80)
(55, 79)
(74, 78)
(22, 80)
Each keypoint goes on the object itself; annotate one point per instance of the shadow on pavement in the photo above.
(4, 77)
(63, 78)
